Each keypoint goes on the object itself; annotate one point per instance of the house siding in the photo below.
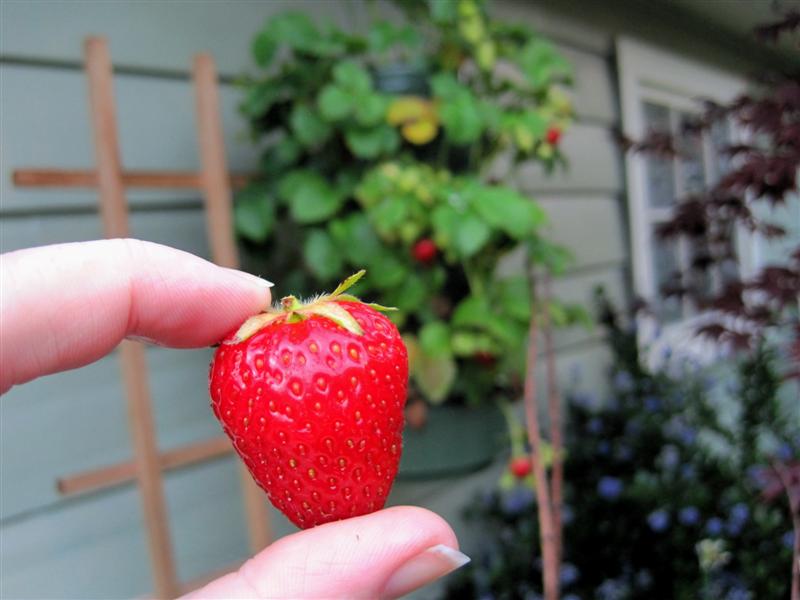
(46, 541)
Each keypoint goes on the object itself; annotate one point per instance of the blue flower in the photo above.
(652, 404)
(567, 514)
(609, 487)
(623, 382)
(517, 500)
(688, 472)
(737, 593)
(611, 589)
(624, 453)
(787, 539)
(595, 425)
(584, 400)
(644, 579)
(603, 448)
(785, 452)
(739, 513)
(670, 457)
(714, 526)
(658, 520)
(689, 515)
(570, 597)
(569, 574)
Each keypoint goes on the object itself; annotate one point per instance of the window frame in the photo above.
(654, 74)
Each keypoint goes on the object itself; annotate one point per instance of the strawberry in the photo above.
(312, 397)
(553, 135)
(424, 250)
(520, 466)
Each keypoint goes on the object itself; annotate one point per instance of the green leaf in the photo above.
(383, 35)
(434, 339)
(295, 29)
(310, 197)
(389, 215)
(459, 109)
(334, 103)
(515, 297)
(410, 295)
(472, 311)
(280, 155)
(264, 48)
(443, 11)
(322, 256)
(435, 376)
(356, 238)
(371, 110)
(259, 98)
(471, 235)
(348, 283)
(371, 142)
(505, 209)
(310, 130)
(557, 313)
(468, 343)
(542, 64)
(254, 213)
(506, 331)
(386, 270)
(352, 77)
(554, 257)
(444, 220)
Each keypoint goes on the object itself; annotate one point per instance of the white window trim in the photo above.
(646, 72)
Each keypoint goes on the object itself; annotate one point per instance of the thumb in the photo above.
(382, 555)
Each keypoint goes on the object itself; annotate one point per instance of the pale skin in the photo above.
(65, 306)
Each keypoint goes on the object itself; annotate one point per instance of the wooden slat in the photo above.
(219, 221)
(114, 212)
(64, 178)
(125, 472)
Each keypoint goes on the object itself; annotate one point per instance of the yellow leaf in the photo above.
(419, 132)
(408, 108)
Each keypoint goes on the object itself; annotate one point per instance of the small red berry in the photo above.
(486, 359)
(521, 466)
(553, 135)
(424, 250)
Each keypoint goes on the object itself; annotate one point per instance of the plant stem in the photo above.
(554, 410)
(794, 509)
(547, 536)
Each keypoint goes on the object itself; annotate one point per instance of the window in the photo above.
(659, 91)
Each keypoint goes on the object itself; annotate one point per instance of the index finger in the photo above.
(67, 305)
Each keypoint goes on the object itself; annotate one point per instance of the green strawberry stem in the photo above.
(323, 306)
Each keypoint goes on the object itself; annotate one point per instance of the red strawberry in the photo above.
(312, 396)
(520, 466)
(424, 250)
(553, 135)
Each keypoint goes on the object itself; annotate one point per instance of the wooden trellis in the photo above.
(149, 463)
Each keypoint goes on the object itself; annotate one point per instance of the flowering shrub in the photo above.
(665, 498)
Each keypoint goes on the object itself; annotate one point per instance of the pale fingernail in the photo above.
(252, 278)
(435, 562)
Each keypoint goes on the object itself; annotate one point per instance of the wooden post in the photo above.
(114, 212)
(219, 212)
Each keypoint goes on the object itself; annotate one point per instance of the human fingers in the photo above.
(67, 305)
(386, 554)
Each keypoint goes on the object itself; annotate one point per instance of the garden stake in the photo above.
(554, 409)
(547, 533)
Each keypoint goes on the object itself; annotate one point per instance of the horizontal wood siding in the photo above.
(72, 421)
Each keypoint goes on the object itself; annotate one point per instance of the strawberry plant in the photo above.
(385, 149)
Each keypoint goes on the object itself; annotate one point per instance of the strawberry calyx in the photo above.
(294, 311)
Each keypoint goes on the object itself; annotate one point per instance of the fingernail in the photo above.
(435, 562)
(252, 278)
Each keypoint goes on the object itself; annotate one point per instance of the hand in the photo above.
(78, 301)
